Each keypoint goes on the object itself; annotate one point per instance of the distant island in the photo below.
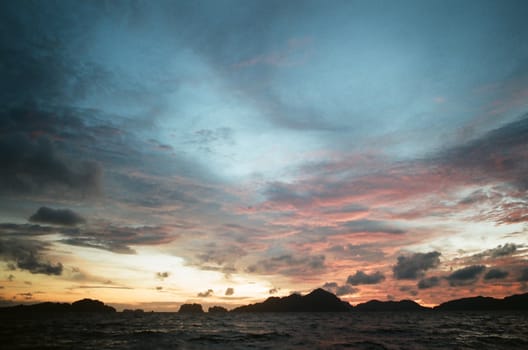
(191, 309)
(318, 300)
(80, 306)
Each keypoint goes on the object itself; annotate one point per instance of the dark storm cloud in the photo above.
(428, 282)
(495, 274)
(523, 277)
(28, 255)
(466, 275)
(413, 266)
(288, 264)
(64, 217)
(33, 166)
(338, 290)
(206, 294)
(42, 53)
(229, 291)
(361, 277)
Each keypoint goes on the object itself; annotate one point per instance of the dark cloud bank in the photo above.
(65, 217)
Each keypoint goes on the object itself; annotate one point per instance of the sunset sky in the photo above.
(160, 152)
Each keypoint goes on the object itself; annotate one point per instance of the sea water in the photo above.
(420, 330)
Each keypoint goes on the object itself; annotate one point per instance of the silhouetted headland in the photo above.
(318, 300)
(191, 309)
(84, 306)
(514, 302)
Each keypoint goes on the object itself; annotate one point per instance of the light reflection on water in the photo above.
(269, 331)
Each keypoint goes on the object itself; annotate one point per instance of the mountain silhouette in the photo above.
(318, 300)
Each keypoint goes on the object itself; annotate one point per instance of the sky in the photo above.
(154, 153)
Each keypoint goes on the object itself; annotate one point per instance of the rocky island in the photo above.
(80, 306)
(318, 300)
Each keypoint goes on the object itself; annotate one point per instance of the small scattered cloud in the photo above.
(495, 274)
(466, 275)
(159, 288)
(429, 282)
(162, 275)
(363, 278)
(206, 294)
(63, 217)
(413, 266)
(273, 291)
(27, 296)
(229, 291)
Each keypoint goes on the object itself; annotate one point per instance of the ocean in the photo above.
(420, 330)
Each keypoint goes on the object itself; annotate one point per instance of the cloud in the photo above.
(229, 291)
(289, 265)
(409, 289)
(497, 155)
(206, 294)
(116, 239)
(273, 291)
(64, 217)
(505, 250)
(413, 266)
(498, 252)
(33, 166)
(495, 274)
(523, 277)
(429, 282)
(28, 255)
(362, 278)
(370, 226)
(338, 290)
(162, 275)
(466, 275)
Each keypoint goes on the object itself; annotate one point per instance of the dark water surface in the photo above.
(428, 330)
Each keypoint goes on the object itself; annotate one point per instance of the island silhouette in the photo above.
(319, 300)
